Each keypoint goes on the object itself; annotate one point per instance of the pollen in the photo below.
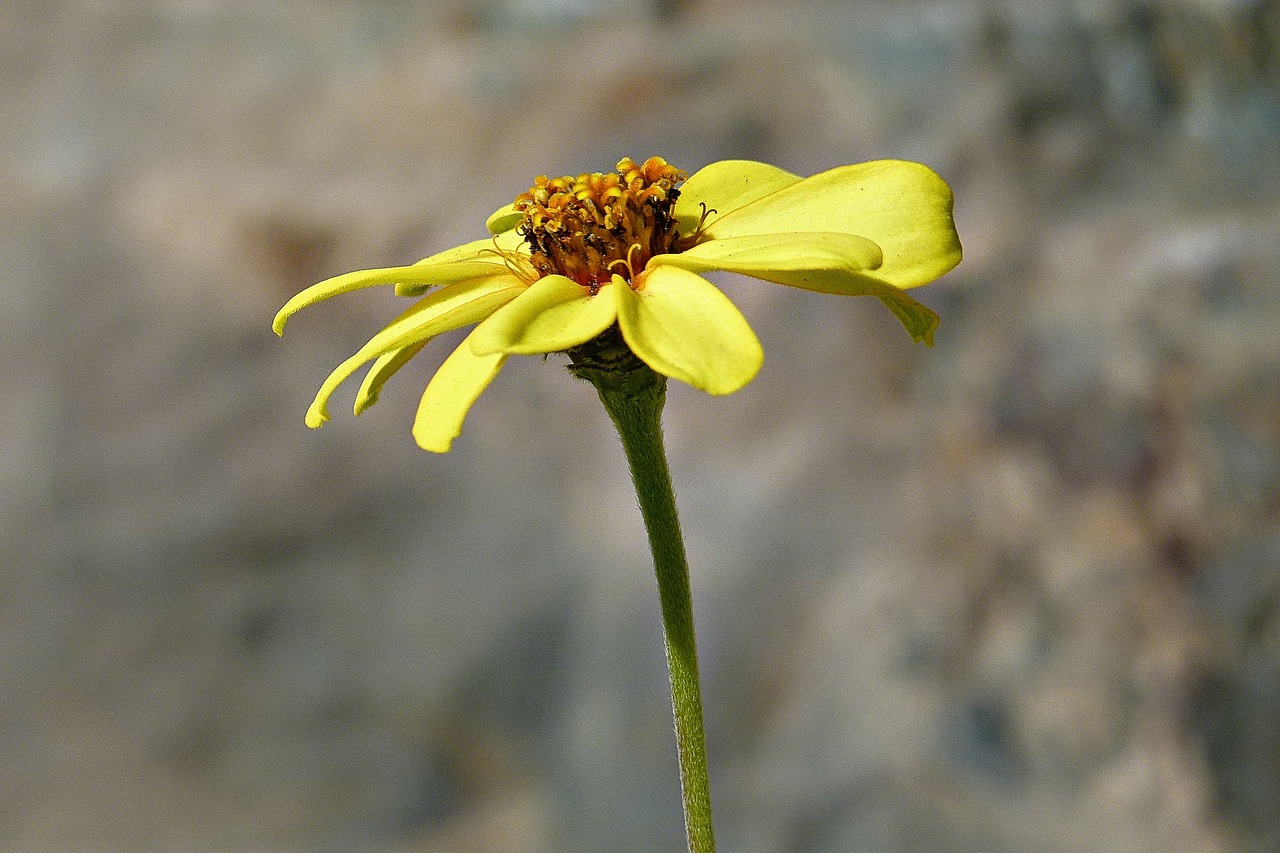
(598, 225)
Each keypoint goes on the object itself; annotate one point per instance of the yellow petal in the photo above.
(457, 305)
(553, 315)
(470, 260)
(383, 369)
(443, 275)
(345, 284)
(457, 384)
(805, 260)
(903, 207)
(682, 326)
(726, 186)
(844, 264)
(503, 219)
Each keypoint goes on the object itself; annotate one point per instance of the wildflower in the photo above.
(579, 265)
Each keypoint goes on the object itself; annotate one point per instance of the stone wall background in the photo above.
(1015, 593)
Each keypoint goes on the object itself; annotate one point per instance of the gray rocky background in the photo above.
(1016, 593)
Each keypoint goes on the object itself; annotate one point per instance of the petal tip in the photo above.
(926, 337)
(730, 388)
(433, 441)
(503, 220)
(403, 289)
(738, 381)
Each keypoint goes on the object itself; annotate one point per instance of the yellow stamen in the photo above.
(626, 263)
(515, 263)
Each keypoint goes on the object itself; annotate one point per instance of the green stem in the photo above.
(635, 405)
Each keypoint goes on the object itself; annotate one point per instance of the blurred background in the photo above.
(1015, 593)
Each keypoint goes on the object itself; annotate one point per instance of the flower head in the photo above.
(601, 262)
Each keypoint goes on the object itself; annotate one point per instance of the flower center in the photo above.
(596, 225)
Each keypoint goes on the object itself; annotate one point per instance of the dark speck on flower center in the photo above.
(598, 225)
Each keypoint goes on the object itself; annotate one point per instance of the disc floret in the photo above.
(598, 225)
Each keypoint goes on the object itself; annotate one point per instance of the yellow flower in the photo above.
(579, 261)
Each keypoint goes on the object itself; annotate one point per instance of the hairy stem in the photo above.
(634, 401)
